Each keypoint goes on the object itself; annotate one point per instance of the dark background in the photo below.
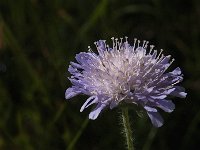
(38, 39)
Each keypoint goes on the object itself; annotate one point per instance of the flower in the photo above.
(125, 73)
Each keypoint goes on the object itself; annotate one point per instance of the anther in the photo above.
(116, 43)
(135, 40)
(147, 42)
(126, 38)
(143, 45)
(151, 48)
(138, 43)
(113, 39)
(96, 44)
(120, 44)
(161, 50)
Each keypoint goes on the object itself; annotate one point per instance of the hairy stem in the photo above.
(127, 129)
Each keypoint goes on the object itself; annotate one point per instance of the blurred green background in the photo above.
(38, 39)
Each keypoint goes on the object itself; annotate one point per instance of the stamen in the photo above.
(113, 40)
(135, 40)
(138, 42)
(107, 47)
(91, 51)
(126, 38)
(89, 48)
(161, 50)
(151, 48)
(143, 45)
(121, 41)
(116, 41)
(96, 44)
(147, 42)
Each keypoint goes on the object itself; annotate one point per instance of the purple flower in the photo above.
(125, 73)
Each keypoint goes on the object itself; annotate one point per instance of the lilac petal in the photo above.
(71, 92)
(76, 65)
(150, 109)
(101, 47)
(182, 94)
(169, 91)
(156, 118)
(95, 113)
(154, 54)
(81, 57)
(140, 52)
(176, 71)
(84, 58)
(101, 44)
(75, 82)
(165, 66)
(166, 105)
(88, 61)
(179, 92)
(149, 90)
(165, 60)
(159, 96)
(93, 100)
(177, 79)
(140, 97)
(126, 45)
(74, 72)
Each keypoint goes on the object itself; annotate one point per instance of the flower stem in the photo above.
(127, 129)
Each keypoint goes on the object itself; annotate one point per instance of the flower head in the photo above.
(125, 73)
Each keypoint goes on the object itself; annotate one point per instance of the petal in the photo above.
(149, 90)
(88, 61)
(159, 96)
(165, 60)
(74, 71)
(126, 46)
(179, 92)
(176, 79)
(176, 71)
(154, 55)
(71, 92)
(81, 57)
(150, 109)
(166, 105)
(95, 113)
(75, 65)
(140, 52)
(92, 100)
(156, 118)
(78, 83)
(182, 94)
(168, 91)
(84, 58)
(101, 47)
(101, 44)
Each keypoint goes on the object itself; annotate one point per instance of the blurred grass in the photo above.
(38, 39)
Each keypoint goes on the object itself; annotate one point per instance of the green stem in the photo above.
(127, 129)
